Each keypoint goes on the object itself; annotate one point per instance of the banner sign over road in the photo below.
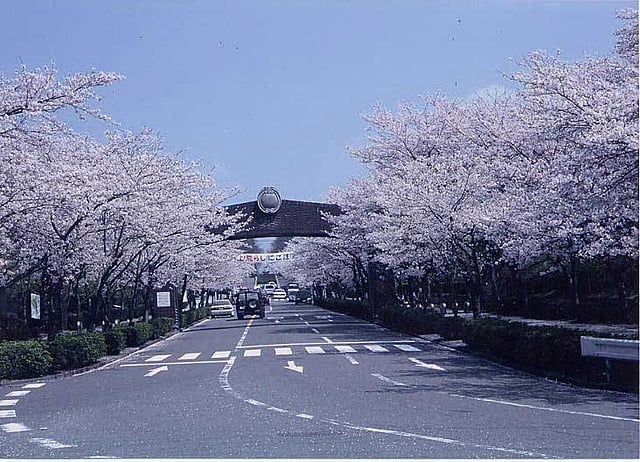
(265, 257)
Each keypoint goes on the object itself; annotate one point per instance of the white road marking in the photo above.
(223, 379)
(255, 403)
(8, 414)
(529, 406)
(345, 348)
(189, 356)
(292, 366)
(221, 355)
(34, 385)
(14, 428)
(407, 348)
(376, 348)
(351, 359)
(327, 339)
(418, 363)
(157, 358)
(314, 350)
(8, 402)
(252, 353)
(155, 371)
(363, 342)
(182, 363)
(305, 416)
(314, 330)
(283, 351)
(18, 393)
(388, 380)
(50, 444)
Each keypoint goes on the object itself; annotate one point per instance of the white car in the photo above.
(279, 294)
(222, 307)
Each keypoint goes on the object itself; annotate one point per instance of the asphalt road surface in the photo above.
(306, 382)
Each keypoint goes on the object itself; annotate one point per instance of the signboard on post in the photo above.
(35, 306)
(163, 299)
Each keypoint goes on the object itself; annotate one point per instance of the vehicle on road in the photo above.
(303, 296)
(279, 294)
(270, 287)
(251, 302)
(222, 307)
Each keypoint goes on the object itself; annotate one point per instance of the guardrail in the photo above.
(610, 348)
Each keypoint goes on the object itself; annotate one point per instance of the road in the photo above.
(306, 382)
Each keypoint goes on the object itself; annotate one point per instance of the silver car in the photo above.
(222, 307)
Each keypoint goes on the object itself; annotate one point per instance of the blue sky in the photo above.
(272, 92)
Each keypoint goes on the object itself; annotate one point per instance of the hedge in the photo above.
(192, 316)
(33, 358)
(70, 351)
(24, 359)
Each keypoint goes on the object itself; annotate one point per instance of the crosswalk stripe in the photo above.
(283, 351)
(376, 348)
(8, 402)
(8, 414)
(252, 353)
(407, 348)
(34, 385)
(18, 393)
(344, 348)
(14, 428)
(188, 356)
(314, 350)
(221, 355)
(157, 358)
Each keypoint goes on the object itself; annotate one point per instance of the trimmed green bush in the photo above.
(116, 340)
(193, 316)
(24, 359)
(138, 334)
(161, 326)
(70, 351)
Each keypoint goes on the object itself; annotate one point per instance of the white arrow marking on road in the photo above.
(292, 366)
(428, 366)
(153, 372)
